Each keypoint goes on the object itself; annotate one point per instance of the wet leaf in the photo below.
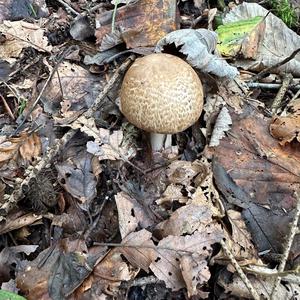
(254, 172)
(142, 23)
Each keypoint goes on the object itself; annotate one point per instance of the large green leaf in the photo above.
(232, 36)
(5, 295)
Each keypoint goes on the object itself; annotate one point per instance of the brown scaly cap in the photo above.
(161, 93)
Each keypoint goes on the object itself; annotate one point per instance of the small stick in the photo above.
(277, 65)
(288, 245)
(69, 8)
(277, 101)
(240, 271)
(270, 86)
(7, 107)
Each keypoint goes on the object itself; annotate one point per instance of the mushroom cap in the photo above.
(161, 93)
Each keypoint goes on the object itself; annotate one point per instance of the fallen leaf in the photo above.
(286, 129)
(182, 172)
(277, 43)
(198, 46)
(131, 214)
(72, 84)
(31, 148)
(76, 177)
(195, 273)
(10, 256)
(172, 193)
(141, 256)
(142, 23)
(254, 172)
(185, 220)
(171, 252)
(106, 145)
(241, 37)
(111, 271)
(263, 285)
(239, 241)
(32, 36)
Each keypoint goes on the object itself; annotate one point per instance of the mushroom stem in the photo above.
(160, 141)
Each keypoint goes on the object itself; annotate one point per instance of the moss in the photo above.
(284, 10)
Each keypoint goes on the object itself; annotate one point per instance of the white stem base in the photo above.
(160, 141)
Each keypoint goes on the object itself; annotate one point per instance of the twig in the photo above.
(272, 68)
(277, 101)
(240, 271)
(108, 87)
(11, 200)
(69, 8)
(270, 86)
(288, 245)
(7, 107)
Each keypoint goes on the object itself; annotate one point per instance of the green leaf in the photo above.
(5, 295)
(231, 36)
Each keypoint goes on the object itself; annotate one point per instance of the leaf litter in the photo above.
(88, 211)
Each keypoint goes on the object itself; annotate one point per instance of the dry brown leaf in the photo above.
(198, 46)
(9, 10)
(31, 34)
(9, 148)
(222, 125)
(111, 271)
(182, 172)
(195, 272)
(28, 146)
(71, 87)
(172, 249)
(131, 214)
(172, 193)
(143, 23)
(31, 148)
(286, 129)
(263, 285)
(239, 241)
(139, 257)
(186, 220)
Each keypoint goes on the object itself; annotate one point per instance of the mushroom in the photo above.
(161, 94)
